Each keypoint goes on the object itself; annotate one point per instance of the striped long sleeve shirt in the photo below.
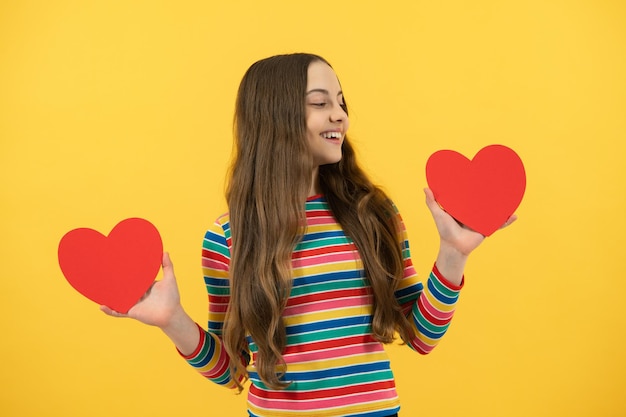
(334, 364)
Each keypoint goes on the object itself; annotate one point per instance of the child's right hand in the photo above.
(160, 304)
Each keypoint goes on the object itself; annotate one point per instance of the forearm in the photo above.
(451, 263)
(205, 351)
(433, 311)
(183, 332)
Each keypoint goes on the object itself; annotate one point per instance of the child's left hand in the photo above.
(457, 240)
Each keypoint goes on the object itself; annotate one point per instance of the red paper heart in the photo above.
(482, 193)
(117, 270)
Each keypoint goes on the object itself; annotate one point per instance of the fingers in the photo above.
(153, 295)
(168, 267)
(429, 195)
(432, 204)
(436, 208)
(509, 221)
(147, 293)
(167, 262)
(109, 312)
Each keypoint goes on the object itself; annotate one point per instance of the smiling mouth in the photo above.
(331, 135)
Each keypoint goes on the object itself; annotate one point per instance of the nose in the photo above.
(338, 114)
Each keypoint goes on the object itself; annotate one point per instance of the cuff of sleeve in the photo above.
(198, 348)
(447, 283)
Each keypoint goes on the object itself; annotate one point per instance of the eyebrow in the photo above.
(323, 91)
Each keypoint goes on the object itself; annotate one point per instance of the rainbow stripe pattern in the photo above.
(335, 366)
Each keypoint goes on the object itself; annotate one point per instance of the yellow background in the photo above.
(115, 109)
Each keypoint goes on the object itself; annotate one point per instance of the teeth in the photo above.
(331, 135)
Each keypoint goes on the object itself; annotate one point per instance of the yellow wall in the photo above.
(114, 109)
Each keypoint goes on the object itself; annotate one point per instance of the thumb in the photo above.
(432, 204)
(168, 266)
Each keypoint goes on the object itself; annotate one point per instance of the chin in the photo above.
(331, 161)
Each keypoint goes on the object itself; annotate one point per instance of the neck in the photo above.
(315, 183)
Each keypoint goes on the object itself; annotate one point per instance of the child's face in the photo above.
(326, 119)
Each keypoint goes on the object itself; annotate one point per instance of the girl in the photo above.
(309, 273)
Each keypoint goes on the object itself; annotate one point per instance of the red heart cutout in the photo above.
(482, 193)
(117, 270)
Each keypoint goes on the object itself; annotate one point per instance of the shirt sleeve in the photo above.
(210, 358)
(429, 308)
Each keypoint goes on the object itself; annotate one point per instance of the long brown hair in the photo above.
(269, 183)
